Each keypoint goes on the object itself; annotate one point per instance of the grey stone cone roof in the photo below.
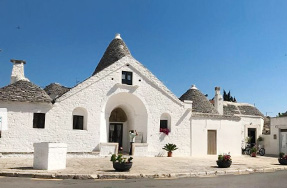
(200, 103)
(232, 108)
(55, 90)
(116, 50)
(24, 91)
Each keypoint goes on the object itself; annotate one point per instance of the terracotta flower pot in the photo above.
(169, 154)
(253, 154)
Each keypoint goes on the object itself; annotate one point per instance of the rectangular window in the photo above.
(39, 120)
(127, 78)
(163, 124)
(78, 122)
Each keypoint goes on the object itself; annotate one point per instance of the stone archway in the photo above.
(128, 110)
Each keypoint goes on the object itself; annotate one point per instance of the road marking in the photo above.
(165, 178)
(43, 179)
(109, 179)
(209, 176)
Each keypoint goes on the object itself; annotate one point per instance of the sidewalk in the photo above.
(143, 167)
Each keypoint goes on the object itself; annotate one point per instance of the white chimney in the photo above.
(218, 101)
(17, 71)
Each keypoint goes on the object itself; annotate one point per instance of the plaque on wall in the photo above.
(139, 138)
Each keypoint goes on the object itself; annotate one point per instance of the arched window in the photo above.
(165, 121)
(80, 118)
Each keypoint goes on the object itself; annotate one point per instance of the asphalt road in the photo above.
(257, 180)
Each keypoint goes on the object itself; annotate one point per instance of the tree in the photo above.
(282, 114)
(228, 97)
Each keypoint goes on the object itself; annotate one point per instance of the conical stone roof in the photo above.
(55, 90)
(24, 91)
(116, 50)
(200, 103)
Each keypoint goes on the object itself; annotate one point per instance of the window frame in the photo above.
(79, 118)
(39, 120)
(125, 79)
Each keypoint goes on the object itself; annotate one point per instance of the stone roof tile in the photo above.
(23, 91)
(116, 50)
(55, 90)
(200, 103)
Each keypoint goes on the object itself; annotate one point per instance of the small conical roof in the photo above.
(24, 91)
(55, 90)
(116, 50)
(200, 103)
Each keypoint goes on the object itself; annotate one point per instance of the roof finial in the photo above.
(193, 87)
(118, 36)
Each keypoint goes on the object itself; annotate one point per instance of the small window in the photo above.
(163, 124)
(78, 122)
(127, 78)
(39, 120)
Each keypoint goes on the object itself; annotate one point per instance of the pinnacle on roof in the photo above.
(116, 50)
(200, 103)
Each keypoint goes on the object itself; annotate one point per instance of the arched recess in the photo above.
(80, 116)
(128, 105)
(165, 121)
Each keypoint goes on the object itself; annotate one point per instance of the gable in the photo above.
(133, 65)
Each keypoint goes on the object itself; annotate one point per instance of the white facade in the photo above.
(276, 142)
(145, 103)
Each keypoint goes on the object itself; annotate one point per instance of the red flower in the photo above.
(164, 130)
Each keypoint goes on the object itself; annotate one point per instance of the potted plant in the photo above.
(282, 159)
(170, 148)
(224, 161)
(253, 152)
(121, 163)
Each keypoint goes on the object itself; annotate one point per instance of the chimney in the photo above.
(17, 71)
(218, 101)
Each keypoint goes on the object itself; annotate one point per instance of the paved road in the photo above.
(257, 180)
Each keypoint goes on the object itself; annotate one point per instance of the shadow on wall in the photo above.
(182, 118)
(162, 136)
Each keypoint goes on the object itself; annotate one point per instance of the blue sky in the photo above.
(240, 46)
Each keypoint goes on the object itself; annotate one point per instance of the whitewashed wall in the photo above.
(255, 122)
(272, 145)
(20, 135)
(144, 103)
(228, 136)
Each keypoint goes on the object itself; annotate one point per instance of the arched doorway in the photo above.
(123, 112)
(117, 118)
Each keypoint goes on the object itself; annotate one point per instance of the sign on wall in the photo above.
(3, 119)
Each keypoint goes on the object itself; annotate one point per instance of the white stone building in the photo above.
(121, 95)
(276, 139)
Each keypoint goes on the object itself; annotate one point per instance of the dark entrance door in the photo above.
(252, 134)
(116, 133)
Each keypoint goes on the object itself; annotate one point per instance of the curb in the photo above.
(139, 176)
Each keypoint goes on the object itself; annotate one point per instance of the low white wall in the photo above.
(107, 149)
(140, 149)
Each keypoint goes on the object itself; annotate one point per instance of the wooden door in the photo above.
(116, 133)
(211, 142)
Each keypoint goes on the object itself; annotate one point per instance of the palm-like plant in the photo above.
(170, 147)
